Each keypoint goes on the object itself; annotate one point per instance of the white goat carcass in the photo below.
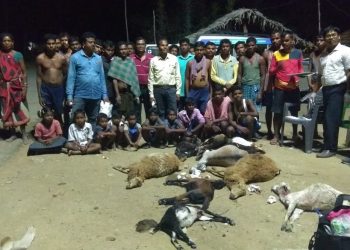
(224, 157)
(315, 197)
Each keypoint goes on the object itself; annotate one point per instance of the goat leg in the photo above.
(287, 225)
(219, 218)
(184, 237)
(175, 182)
(183, 198)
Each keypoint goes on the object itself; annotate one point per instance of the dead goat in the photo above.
(178, 217)
(221, 140)
(250, 169)
(151, 166)
(317, 196)
(198, 191)
(223, 157)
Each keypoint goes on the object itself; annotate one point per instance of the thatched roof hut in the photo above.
(239, 18)
(345, 38)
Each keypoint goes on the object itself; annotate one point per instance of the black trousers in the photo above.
(333, 101)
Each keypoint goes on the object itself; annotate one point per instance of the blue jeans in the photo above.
(165, 99)
(90, 106)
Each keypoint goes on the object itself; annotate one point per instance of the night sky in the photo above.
(30, 19)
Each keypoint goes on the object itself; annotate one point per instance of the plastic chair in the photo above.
(308, 122)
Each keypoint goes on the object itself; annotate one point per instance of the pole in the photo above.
(154, 27)
(319, 15)
(126, 21)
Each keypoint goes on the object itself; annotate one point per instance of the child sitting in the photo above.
(174, 128)
(48, 135)
(191, 118)
(80, 136)
(117, 122)
(104, 133)
(132, 133)
(242, 115)
(153, 130)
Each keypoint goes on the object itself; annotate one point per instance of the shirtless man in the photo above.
(65, 49)
(51, 70)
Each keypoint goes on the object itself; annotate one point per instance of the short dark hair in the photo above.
(173, 46)
(49, 36)
(87, 35)
(250, 39)
(287, 33)
(73, 39)
(199, 44)
(217, 87)
(131, 113)
(153, 110)
(162, 39)
(77, 112)
(171, 110)
(120, 43)
(238, 43)
(108, 44)
(140, 38)
(225, 41)
(329, 29)
(189, 100)
(101, 116)
(236, 87)
(184, 40)
(99, 42)
(210, 44)
(63, 34)
(116, 115)
(4, 34)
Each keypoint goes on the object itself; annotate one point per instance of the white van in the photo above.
(260, 40)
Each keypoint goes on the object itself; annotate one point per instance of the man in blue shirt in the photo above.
(86, 80)
(184, 57)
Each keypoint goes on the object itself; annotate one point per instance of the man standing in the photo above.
(107, 58)
(64, 40)
(184, 57)
(86, 80)
(240, 49)
(335, 66)
(197, 78)
(210, 50)
(224, 67)
(164, 79)
(142, 61)
(51, 70)
(125, 81)
(251, 72)
(269, 81)
(285, 63)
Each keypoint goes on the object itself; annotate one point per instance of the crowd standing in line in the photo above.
(184, 94)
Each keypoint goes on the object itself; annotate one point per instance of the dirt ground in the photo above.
(80, 202)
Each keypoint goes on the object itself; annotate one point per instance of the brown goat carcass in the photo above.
(249, 169)
(152, 166)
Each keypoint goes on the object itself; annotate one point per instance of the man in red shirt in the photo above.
(285, 63)
(142, 60)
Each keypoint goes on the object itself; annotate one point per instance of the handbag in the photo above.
(323, 238)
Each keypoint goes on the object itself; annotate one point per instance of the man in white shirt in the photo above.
(335, 67)
(164, 80)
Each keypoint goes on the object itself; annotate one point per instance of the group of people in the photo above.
(184, 96)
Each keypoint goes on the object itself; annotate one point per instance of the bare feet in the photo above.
(274, 141)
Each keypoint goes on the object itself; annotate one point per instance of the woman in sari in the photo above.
(13, 88)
